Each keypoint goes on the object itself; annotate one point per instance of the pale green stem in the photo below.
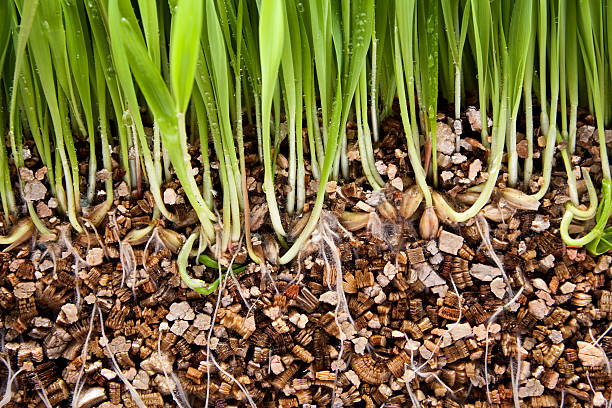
(374, 96)
(410, 125)
(185, 174)
(589, 213)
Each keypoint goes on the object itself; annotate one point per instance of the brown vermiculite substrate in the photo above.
(413, 326)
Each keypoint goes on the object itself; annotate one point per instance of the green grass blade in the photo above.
(271, 38)
(184, 45)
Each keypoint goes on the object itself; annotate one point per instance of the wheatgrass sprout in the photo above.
(500, 71)
(240, 137)
(15, 131)
(426, 70)
(291, 61)
(528, 101)
(570, 51)
(271, 39)
(66, 165)
(568, 76)
(204, 94)
(215, 52)
(456, 34)
(354, 57)
(480, 39)
(383, 63)
(80, 63)
(592, 46)
(315, 143)
(366, 151)
(6, 192)
(542, 24)
(549, 122)
(169, 109)
(404, 73)
(197, 284)
(54, 31)
(128, 113)
(321, 34)
(98, 23)
(29, 95)
(519, 35)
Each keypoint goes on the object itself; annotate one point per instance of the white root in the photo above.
(562, 398)
(607, 360)
(230, 273)
(416, 371)
(209, 357)
(265, 275)
(235, 381)
(10, 378)
(158, 242)
(43, 397)
(95, 230)
(324, 236)
(133, 393)
(77, 261)
(178, 393)
(212, 326)
(50, 250)
(126, 254)
(485, 233)
(483, 229)
(516, 378)
(492, 320)
(78, 387)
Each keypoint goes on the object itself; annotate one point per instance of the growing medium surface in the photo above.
(305, 203)
(412, 325)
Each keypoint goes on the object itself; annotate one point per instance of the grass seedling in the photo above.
(490, 322)
(384, 63)
(291, 61)
(571, 70)
(456, 35)
(404, 73)
(518, 52)
(355, 59)
(216, 54)
(500, 74)
(65, 168)
(197, 284)
(591, 45)
(568, 77)
(480, 39)
(549, 122)
(271, 40)
(528, 100)
(366, 152)
(426, 70)
(169, 109)
(542, 51)
(15, 131)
